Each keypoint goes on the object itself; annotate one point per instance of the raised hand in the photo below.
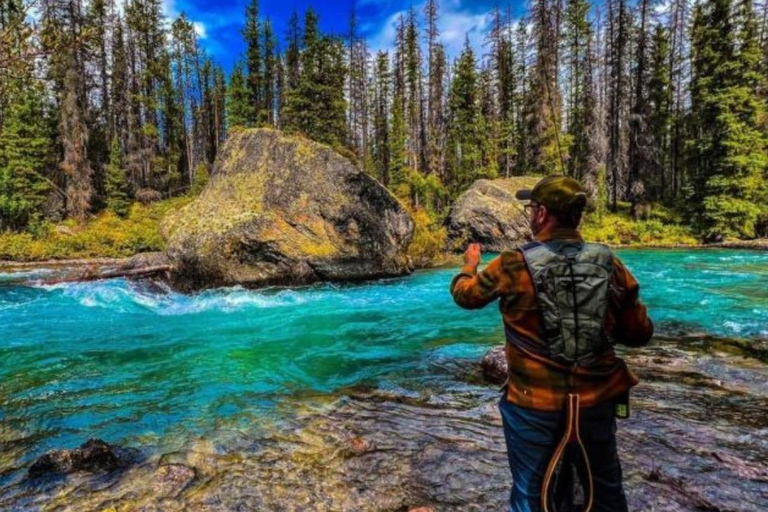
(472, 255)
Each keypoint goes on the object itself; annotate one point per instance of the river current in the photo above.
(240, 371)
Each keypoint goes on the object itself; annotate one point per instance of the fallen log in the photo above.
(95, 275)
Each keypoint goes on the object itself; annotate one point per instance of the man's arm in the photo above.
(633, 325)
(473, 290)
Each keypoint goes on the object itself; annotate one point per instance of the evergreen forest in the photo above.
(106, 103)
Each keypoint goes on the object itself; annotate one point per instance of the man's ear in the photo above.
(543, 214)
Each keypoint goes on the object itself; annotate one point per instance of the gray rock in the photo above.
(93, 456)
(145, 260)
(283, 210)
(489, 214)
(494, 365)
(172, 479)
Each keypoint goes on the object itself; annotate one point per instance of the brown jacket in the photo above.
(535, 381)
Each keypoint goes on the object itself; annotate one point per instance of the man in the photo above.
(564, 303)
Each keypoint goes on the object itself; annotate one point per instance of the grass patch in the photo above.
(105, 236)
(662, 227)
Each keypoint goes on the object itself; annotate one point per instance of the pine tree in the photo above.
(415, 139)
(464, 151)
(172, 121)
(660, 112)
(381, 117)
(505, 81)
(293, 54)
(219, 115)
(317, 108)
(26, 155)
(189, 86)
(119, 84)
(146, 39)
(640, 137)
(436, 79)
(267, 116)
(252, 36)
(489, 124)
(63, 25)
(543, 116)
(116, 186)
(357, 91)
(580, 90)
(618, 41)
(237, 97)
(729, 148)
(679, 73)
(398, 164)
(522, 143)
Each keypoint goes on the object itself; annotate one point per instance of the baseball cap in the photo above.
(558, 193)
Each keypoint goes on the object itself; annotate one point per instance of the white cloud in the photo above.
(169, 9)
(200, 29)
(455, 24)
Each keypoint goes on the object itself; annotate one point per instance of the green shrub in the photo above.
(105, 236)
(662, 228)
(429, 238)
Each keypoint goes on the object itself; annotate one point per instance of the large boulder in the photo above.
(489, 214)
(283, 210)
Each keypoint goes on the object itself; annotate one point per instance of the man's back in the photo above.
(564, 382)
(535, 380)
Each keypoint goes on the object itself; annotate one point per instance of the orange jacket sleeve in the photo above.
(473, 290)
(633, 326)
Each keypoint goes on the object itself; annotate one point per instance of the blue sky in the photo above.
(219, 22)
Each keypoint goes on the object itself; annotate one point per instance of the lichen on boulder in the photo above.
(489, 214)
(283, 210)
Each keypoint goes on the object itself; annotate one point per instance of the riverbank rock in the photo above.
(494, 365)
(759, 244)
(172, 479)
(93, 456)
(489, 214)
(283, 210)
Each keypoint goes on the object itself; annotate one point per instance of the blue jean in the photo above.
(532, 437)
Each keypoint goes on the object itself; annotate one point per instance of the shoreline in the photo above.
(445, 260)
(341, 454)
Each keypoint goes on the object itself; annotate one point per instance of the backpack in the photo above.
(571, 280)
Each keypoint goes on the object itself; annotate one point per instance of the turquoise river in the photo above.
(164, 373)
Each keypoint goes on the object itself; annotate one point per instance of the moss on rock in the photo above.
(285, 210)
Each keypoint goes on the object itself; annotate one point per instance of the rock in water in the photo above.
(93, 456)
(494, 365)
(283, 210)
(489, 214)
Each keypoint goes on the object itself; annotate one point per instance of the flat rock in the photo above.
(283, 210)
(172, 479)
(488, 213)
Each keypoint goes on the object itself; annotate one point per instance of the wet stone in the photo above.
(93, 456)
(172, 479)
(494, 365)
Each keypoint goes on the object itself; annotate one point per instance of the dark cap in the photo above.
(558, 193)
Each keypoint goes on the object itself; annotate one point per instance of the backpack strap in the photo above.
(530, 245)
